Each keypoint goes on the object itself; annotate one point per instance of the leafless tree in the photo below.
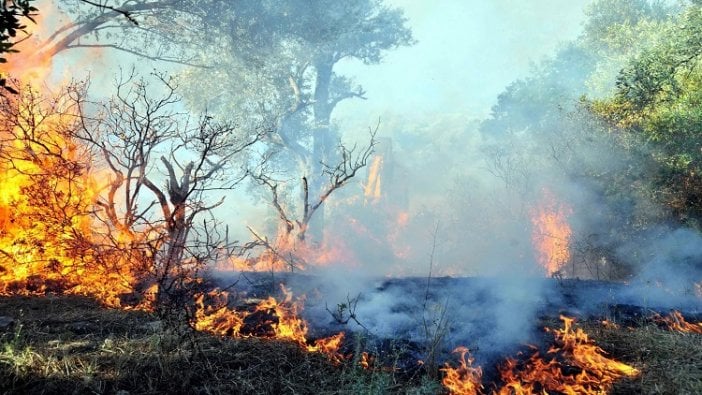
(295, 226)
(164, 166)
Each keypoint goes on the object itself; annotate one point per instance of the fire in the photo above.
(551, 233)
(465, 379)
(367, 361)
(595, 372)
(372, 188)
(676, 322)
(47, 236)
(270, 318)
(576, 366)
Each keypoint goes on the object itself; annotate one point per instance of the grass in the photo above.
(72, 345)
(670, 362)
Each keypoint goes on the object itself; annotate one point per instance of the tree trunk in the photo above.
(323, 144)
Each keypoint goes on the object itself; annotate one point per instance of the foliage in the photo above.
(12, 14)
(275, 61)
(546, 126)
(658, 98)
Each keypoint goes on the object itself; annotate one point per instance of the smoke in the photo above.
(467, 184)
(667, 266)
(478, 122)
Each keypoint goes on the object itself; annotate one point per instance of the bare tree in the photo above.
(295, 226)
(163, 167)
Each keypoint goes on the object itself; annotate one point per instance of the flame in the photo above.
(31, 65)
(465, 379)
(551, 233)
(596, 373)
(676, 322)
(366, 361)
(372, 188)
(271, 319)
(576, 366)
(48, 241)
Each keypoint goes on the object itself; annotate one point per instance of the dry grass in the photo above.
(71, 345)
(670, 362)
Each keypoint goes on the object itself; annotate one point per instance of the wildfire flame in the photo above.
(676, 322)
(372, 188)
(576, 366)
(273, 319)
(551, 233)
(47, 231)
(465, 379)
(367, 361)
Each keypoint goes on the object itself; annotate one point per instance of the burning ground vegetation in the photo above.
(97, 298)
(112, 263)
(72, 344)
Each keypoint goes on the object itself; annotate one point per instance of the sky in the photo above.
(467, 53)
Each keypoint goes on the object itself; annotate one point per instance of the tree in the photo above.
(295, 227)
(11, 15)
(541, 128)
(289, 47)
(280, 65)
(658, 100)
(140, 138)
(125, 26)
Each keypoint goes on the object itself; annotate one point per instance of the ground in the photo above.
(72, 345)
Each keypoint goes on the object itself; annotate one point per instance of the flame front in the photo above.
(465, 379)
(48, 238)
(594, 373)
(676, 322)
(272, 319)
(551, 233)
(576, 366)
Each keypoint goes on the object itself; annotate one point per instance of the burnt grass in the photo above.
(68, 344)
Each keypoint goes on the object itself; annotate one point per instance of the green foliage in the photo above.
(12, 14)
(274, 63)
(659, 98)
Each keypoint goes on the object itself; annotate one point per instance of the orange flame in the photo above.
(551, 233)
(366, 361)
(596, 373)
(372, 188)
(676, 322)
(280, 317)
(465, 379)
(591, 372)
(48, 241)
